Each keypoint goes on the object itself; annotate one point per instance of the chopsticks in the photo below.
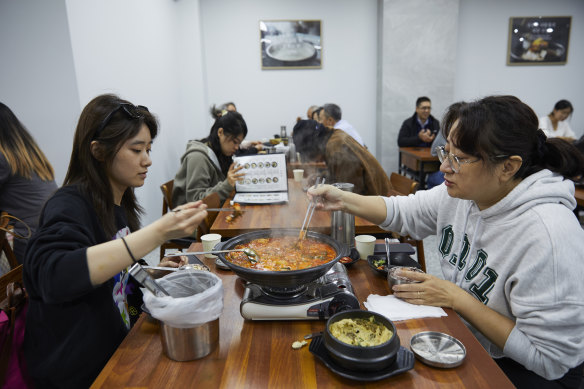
(309, 211)
(214, 210)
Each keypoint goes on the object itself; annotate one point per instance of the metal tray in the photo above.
(438, 349)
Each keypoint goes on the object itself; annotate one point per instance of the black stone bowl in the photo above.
(351, 357)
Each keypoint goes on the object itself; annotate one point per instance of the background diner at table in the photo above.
(346, 160)
(510, 244)
(555, 124)
(207, 165)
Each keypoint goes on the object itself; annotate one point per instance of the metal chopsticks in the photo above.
(213, 210)
(309, 211)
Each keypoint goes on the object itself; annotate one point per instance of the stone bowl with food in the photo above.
(361, 340)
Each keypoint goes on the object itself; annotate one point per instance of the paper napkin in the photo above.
(395, 309)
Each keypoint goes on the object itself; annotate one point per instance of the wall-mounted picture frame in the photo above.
(538, 40)
(291, 44)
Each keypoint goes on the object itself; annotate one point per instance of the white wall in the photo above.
(482, 48)
(146, 52)
(270, 98)
(37, 77)
(418, 58)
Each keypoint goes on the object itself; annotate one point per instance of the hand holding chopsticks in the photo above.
(309, 211)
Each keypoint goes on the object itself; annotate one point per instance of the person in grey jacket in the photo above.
(511, 247)
(207, 165)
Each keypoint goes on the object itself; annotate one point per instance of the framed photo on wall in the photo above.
(291, 44)
(538, 40)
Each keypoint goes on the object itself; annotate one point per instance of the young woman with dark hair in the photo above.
(555, 124)
(511, 247)
(26, 177)
(207, 164)
(75, 265)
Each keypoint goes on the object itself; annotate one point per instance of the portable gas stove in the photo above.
(317, 300)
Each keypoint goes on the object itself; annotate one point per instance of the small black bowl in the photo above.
(351, 357)
(379, 262)
(351, 258)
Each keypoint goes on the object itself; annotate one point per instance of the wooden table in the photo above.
(579, 195)
(258, 354)
(290, 215)
(417, 162)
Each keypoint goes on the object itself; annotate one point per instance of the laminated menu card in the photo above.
(265, 181)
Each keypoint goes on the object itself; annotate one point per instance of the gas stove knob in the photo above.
(342, 302)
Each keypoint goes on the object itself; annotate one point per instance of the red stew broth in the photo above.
(284, 253)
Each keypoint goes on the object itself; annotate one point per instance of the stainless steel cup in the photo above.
(186, 344)
(343, 223)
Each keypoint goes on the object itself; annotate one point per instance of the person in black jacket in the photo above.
(421, 129)
(75, 268)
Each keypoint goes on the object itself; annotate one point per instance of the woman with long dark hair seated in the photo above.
(75, 269)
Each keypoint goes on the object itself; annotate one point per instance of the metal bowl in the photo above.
(351, 357)
(438, 349)
(291, 51)
(281, 279)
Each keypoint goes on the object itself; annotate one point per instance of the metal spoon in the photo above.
(250, 253)
(387, 251)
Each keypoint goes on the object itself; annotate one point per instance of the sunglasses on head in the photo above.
(131, 110)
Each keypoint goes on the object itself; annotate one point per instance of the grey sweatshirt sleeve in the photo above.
(414, 215)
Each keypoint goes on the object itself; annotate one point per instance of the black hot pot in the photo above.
(281, 279)
(373, 358)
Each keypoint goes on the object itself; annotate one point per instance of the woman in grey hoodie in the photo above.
(511, 247)
(207, 164)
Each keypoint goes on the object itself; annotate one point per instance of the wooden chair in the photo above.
(5, 245)
(212, 201)
(405, 186)
(14, 275)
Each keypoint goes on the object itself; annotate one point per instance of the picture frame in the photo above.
(290, 44)
(538, 40)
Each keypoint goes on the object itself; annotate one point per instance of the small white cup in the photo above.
(365, 245)
(298, 174)
(209, 242)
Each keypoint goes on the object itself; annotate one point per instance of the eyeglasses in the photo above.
(453, 160)
(133, 112)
